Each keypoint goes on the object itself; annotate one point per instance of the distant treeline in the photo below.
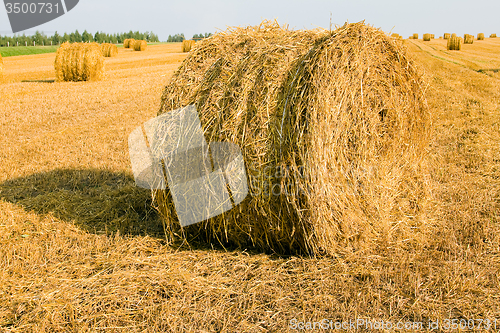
(180, 37)
(100, 37)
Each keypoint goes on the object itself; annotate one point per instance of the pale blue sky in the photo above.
(165, 17)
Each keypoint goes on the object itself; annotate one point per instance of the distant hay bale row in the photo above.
(109, 50)
(447, 36)
(493, 36)
(454, 43)
(128, 43)
(187, 45)
(397, 36)
(140, 45)
(79, 62)
(468, 39)
(480, 36)
(333, 164)
(427, 37)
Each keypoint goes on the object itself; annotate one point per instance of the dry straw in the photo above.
(454, 43)
(493, 36)
(140, 45)
(468, 39)
(79, 62)
(446, 36)
(128, 43)
(109, 50)
(1, 64)
(332, 126)
(427, 37)
(187, 45)
(415, 36)
(480, 36)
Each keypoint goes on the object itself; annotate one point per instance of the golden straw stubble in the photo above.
(79, 62)
(109, 50)
(140, 45)
(187, 45)
(454, 43)
(1, 64)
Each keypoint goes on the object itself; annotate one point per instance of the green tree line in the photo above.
(41, 39)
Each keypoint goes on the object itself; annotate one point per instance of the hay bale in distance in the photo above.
(331, 166)
(480, 36)
(415, 36)
(454, 44)
(140, 45)
(427, 37)
(432, 36)
(453, 35)
(109, 50)
(468, 39)
(187, 45)
(493, 36)
(128, 43)
(446, 36)
(79, 62)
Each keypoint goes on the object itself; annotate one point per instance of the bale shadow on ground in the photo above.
(97, 201)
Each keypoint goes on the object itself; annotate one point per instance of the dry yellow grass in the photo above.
(187, 45)
(109, 50)
(427, 37)
(66, 187)
(140, 45)
(480, 36)
(1, 65)
(79, 62)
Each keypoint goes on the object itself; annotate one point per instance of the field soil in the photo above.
(81, 249)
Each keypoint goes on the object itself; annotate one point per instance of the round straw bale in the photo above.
(332, 127)
(432, 36)
(454, 43)
(415, 36)
(493, 36)
(427, 37)
(480, 36)
(453, 35)
(79, 62)
(468, 39)
(446, 36)
(187, 45)
(109, 50)
(128, 43)
(140, 45)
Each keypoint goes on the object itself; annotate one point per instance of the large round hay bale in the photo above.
(453, 35)
(332, 127)
(480, 36)
(79, 62)
(109, 50)
(187, 45)
(140, 45)
(447, 36)
(493, 36)
(415, 36)
(427, 37)
(468, 39)
(454, 43)
(128, 43)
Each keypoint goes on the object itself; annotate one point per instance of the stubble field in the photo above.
(81, 249)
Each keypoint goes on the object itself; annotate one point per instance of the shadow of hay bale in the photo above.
(97, 201)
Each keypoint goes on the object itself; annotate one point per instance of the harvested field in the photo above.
(81, 250)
